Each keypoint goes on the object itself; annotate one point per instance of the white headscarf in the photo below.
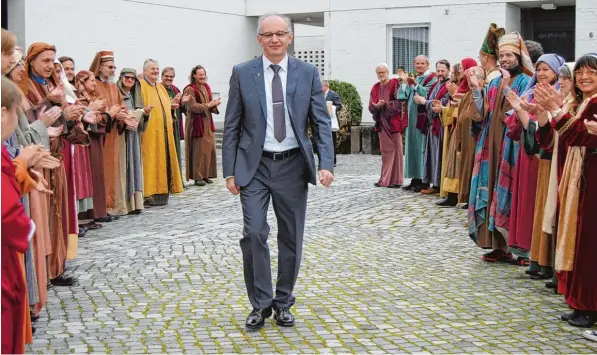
(69, 90)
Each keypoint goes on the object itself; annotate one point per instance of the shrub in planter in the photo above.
(350, 115)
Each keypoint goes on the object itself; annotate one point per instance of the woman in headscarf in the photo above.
(549, 141)
(522, 126)
(576, 249)
(130, 89)
(454, 124)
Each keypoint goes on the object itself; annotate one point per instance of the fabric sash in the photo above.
(436, 123)
(197, 118)
(422, 121)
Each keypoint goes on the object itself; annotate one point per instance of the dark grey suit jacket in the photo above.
(335, 99)
(246, 118)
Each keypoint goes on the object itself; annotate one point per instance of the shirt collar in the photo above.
(283, 63)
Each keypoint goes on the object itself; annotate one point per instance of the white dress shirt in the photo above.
(271, 144)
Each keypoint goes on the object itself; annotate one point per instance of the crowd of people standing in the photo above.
(513, 141)
(81, 149)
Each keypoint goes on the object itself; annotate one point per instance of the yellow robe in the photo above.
(447, 184)
(153, 144)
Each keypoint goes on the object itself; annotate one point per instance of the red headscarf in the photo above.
(466, 63)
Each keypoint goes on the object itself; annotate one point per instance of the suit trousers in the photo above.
(285, 182)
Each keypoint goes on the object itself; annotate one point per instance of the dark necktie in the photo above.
(278, 105)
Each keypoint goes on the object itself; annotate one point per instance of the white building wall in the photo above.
(513, 18)
(586, 27)
(178, 33)
(308, 37)
(356, 41)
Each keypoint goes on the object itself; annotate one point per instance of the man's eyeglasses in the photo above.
(270, 35)
(128, 77)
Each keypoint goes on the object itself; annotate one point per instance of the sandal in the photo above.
(497, 256)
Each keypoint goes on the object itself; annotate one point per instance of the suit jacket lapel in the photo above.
(259, 80)
(291, 81)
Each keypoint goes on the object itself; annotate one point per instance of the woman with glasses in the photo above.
(130, 89)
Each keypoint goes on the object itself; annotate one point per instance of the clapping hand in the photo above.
(452, 88)
(48, 162)
(514, 100)
(420, 99)
(54, 132)
(147, 109)
(56, 95)
(473, 80)
(92, 117)
(74, 112)
(185, 99)
(48, 117)
(30, 154)
(42, 185)
(591, 126)
(98, 105)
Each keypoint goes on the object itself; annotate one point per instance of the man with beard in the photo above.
(415, 133)
(436, 98)
(115, 144)
(161, 171)
(491, 185)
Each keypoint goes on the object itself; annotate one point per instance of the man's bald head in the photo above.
(421, 64)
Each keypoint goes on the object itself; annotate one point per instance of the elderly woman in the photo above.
(389, 124)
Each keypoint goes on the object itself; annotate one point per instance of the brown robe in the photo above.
(200, 152)
(114, 153)
(465, 144)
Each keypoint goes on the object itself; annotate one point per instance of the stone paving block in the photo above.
(383, 271)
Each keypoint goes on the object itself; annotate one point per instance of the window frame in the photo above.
(390, 41)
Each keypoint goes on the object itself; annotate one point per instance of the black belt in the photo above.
(280, 155)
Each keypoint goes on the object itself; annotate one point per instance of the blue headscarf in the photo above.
(555, 62)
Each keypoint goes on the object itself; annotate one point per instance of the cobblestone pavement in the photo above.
(382, 271)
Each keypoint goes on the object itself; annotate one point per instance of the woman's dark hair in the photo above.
(193, 71)
(586, 61)
(456, 71)
(66, 59)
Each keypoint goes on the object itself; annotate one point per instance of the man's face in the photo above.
(107, 69)
(325, 87)
(128, 80)
(69, 70)
(43, 64)
(483, 59)
(508, 60)
(168, 78)
(442, 71)
(152, 72)
(274, 36)
(382, 74)
(421, 65)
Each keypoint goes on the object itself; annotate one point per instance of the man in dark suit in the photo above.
(331, 95)
(266, 153)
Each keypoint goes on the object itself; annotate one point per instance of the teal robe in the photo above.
(415, 140)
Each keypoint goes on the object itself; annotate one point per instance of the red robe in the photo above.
(581, 282)
(15, 230)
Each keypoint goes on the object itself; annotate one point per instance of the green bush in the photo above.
(350, 100)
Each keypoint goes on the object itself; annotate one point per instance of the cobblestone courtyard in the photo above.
(382, 271)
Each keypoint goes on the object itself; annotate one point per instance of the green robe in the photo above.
(176, 116)
(415, 140)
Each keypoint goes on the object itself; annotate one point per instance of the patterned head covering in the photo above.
(100, 58)
(490, 43)
(135, 90)
(555, 62)
(513, 42)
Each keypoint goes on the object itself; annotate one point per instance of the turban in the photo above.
(513, 42)
(490, 42)
(100, 58)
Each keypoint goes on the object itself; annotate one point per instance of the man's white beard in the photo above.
(112, 79)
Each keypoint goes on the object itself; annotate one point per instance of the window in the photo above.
(407, 43)
(315, 57)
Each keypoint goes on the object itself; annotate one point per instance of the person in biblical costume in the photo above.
(115, 142)
(130, 88)
(459, 142)
(576, 248)
(17, 229)
(529, 192)
(168, 75)
(437, 97)
(200, 144)
(387, 114)
(410, 89)
(161, 173)
(44, 90)
(495, 152)
(549, 141)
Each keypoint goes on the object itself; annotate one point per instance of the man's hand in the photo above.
(48, 162)
(42, 185)
(591, 126)
(54, 132)
(56, 95)
(50, 116)
(231, 186)
(326, 177)
(74, 112)
(473, 80)
(147, 109)
(420, 99)
(452, 88)
(380, 103)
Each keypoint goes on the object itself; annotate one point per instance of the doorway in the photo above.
(554, 29)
